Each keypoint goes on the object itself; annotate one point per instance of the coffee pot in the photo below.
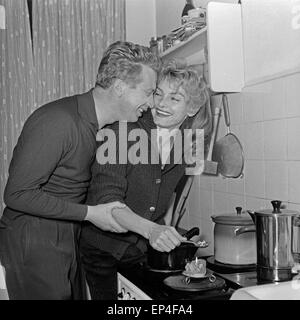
(277, 241)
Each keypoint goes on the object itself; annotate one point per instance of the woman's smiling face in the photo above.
(170, 105)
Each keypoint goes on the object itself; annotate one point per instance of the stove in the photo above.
(154, 284)
(228, 268)
(236, 276)
(233, 276)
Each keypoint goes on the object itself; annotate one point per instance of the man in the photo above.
(145, 188)
(50, 172)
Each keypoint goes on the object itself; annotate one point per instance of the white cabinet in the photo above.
(246, 44)
(128, 291)
(271, 33)
(225, 47)
(218, 47)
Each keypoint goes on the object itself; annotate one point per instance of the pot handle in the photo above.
(242, 230)
(193, 232)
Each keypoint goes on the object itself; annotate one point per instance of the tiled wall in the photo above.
(266, 119)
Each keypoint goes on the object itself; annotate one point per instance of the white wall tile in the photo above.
(194, 221)
(292, 84)
(236, 186)
(234, 201)
(252, 104)
(193, 200)
(253, 203)
(220, 184)
(200, 203)
(274, 100)
(205, 182)
(294, 181)
(266, 118)
(255, 178)
(220, 203)
(235, 105)
(276, 177)
(293, 126)
(275, 140)
(254, 143)
(205, 208)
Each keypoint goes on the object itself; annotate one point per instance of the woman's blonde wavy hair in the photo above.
(191, 80)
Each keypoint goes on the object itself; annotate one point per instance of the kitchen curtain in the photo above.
(17, 86)
(69, 37)
(60, 58)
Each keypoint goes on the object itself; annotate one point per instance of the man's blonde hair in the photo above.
(124, 60)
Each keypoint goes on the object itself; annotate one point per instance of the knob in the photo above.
(276, 206)
(238, 210)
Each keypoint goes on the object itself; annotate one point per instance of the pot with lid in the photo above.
(234, 238)
(278, 238)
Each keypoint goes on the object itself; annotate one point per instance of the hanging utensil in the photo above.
(228, 151)
(211, 167)
(180, 207)
(181, 214)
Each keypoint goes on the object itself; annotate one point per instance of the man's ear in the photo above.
(119, 87)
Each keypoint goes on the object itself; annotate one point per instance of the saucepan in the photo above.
(234, 238)
(177, 258)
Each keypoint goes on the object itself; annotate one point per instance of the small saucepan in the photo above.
(177, 258)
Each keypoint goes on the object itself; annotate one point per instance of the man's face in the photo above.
(170, 105)
(138, 99)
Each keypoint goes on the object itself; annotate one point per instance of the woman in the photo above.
(182, 100)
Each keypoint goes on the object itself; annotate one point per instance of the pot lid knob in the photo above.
(276, 206)
(238, 210)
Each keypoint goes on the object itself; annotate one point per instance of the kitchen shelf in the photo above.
(217, 49)
(189, 48)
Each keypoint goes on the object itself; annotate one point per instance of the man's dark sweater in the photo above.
(44, 196)
(50, 170)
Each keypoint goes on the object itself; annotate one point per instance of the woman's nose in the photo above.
(162, 102)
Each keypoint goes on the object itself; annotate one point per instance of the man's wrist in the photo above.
(89, 213)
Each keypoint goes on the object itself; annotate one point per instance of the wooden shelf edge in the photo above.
(187, 47)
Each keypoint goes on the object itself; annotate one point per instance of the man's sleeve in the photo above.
(40, 147)
(109, 180)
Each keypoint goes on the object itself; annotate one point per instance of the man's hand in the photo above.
(164, 238)
(100, 215)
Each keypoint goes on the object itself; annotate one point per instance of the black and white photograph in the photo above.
(149, 151)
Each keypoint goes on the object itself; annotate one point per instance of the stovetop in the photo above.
(236, 276)
(152, 283)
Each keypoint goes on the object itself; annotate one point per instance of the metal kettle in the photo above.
(277, 241)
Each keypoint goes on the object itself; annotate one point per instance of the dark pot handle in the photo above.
(193, 232)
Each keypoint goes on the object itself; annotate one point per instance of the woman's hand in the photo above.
(164, 238)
